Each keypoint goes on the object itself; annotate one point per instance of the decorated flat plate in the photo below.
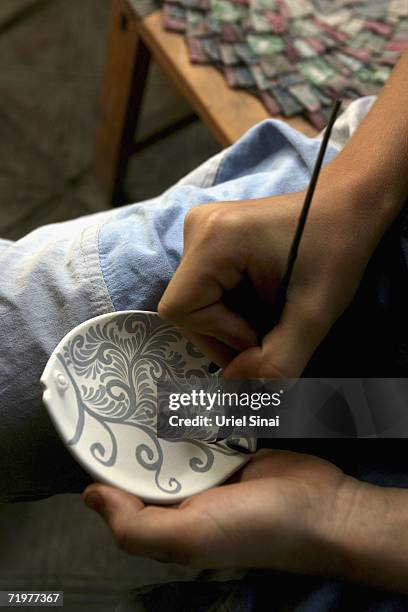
(100, 389)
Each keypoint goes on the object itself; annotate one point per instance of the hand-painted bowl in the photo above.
(100, 389)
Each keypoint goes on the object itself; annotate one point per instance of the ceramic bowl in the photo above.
(100, 391)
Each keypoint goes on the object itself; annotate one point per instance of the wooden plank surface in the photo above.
(227, 112)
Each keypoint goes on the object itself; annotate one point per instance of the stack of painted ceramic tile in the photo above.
(296, 55)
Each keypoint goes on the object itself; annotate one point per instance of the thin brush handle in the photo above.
(280, 301)
(242, 298)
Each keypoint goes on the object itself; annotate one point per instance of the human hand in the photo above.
(280, 511)
(284, 511)
(223, 242)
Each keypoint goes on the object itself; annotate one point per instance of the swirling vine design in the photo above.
(114, 368)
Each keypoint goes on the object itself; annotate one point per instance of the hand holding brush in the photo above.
(262, 281)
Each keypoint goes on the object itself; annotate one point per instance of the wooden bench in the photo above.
(132, 42)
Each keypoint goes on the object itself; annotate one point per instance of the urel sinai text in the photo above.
(221, 420)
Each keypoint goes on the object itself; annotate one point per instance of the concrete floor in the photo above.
(51, 62)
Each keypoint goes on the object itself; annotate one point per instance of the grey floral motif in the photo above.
(114, 368)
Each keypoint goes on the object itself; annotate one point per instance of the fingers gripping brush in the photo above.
(243, 298)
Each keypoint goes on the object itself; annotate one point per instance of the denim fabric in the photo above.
(263, 591)
(50, 281)
(4, 243)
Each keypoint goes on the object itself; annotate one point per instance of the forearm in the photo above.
(367, 537)
(368, 540)
(374, 163)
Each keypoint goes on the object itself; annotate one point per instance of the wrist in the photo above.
(330, 534)
(368, 538)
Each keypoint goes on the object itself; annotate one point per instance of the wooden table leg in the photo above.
(126, 68)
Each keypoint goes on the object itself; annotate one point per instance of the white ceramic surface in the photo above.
(100, 391)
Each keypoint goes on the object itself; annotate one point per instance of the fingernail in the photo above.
(94, 501)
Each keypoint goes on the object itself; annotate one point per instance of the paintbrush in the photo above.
(261, 315)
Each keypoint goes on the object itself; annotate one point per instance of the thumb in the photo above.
(117, 508)
(285, 350)
(167, 534)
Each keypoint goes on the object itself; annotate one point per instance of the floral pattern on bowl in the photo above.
(100, 389)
